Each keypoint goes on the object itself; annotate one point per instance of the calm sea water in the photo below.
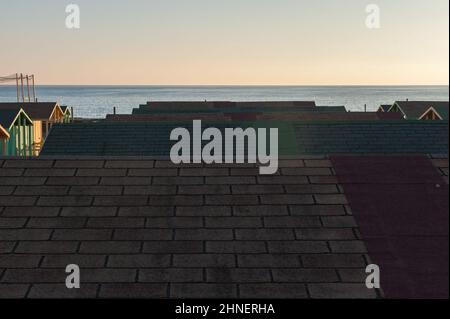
(97, 101)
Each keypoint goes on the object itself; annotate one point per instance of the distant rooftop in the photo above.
(309, 137)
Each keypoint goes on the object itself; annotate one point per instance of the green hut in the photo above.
(67, 113)
(19, 132)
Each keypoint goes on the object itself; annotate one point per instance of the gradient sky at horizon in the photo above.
(234, 42)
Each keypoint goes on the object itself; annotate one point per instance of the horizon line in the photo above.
(239, 85)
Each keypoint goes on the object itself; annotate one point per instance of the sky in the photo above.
(227, 42)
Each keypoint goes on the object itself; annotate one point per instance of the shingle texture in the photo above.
(301, 137)
(146, 228)
(372, 137)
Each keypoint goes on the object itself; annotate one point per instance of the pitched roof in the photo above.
(384, 107)
(9, 115)
(308, 137)
(65, 109)
(415, 109)
(36, 111)
(440, 110)
(146, 228)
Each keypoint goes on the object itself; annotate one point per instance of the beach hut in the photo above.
(16, 132)
(436, 113)
(67, 112)
(384, 108)
(413, 110)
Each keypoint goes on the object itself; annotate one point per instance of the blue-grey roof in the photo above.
(152, 139)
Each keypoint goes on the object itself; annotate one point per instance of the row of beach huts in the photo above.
(24, 127)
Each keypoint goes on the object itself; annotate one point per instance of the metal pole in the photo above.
(365, 107)
(28, 88)
(21, 84)
(17, 87)
(114, 110)
(34, 90)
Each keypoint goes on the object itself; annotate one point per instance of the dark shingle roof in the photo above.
(36, 111)
(414, 109)
(380, 137)
(145, 228)
(309, 137)
(149, 229)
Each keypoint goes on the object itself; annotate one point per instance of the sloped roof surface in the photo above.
(145, 228)
(302, 137)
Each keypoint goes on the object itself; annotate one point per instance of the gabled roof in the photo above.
(384, 107)
(9, 115)
(441, 112)
(36, 111)
(415, 109)
(65, 109)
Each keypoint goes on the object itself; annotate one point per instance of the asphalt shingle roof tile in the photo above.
(248, 237)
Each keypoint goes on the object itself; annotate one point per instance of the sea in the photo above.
(97, 101)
